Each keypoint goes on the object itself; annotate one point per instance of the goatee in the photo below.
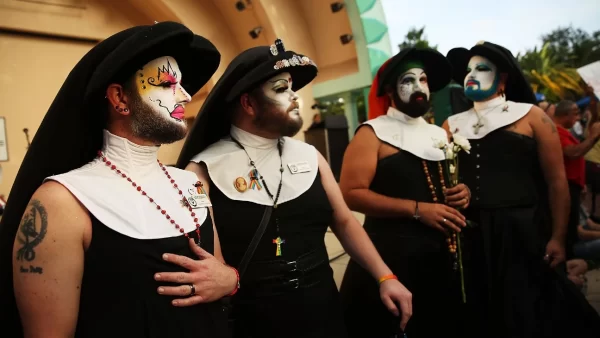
(272, 118)
(150, 125)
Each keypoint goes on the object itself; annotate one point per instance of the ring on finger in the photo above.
(444, 220)
(192, 289)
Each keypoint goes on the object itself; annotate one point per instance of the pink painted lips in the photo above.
(178, 113)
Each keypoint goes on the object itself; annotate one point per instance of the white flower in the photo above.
(452, 169)
(439, 144)
(462, 142)
(450, 152)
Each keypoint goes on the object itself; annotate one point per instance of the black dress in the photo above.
(293, 295)
(415, 252)
(511, 291)
(119, 294)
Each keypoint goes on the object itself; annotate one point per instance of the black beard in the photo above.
(414, 108)
(272, 118)
(149, 125)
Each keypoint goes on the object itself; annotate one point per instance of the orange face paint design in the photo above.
(159, 85)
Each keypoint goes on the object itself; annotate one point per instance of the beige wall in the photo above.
(94, 21)
(30, 77)
(36, 67)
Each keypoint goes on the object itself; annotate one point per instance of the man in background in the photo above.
(565, 117)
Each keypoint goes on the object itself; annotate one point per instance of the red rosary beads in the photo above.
(151, 200)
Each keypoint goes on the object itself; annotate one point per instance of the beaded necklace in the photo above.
(151, 200)
(451, 240)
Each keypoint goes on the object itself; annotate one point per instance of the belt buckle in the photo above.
(296, 283)
(295, 266)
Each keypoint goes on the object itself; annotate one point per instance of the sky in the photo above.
(515, 24)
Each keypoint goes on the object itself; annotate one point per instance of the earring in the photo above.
(119, 109)
(126, 110)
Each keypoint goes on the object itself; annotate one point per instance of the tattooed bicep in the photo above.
(31, 233)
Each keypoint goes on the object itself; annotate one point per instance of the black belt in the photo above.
(281, 275)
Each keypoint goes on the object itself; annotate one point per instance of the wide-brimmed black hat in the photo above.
(436, 67)
(517, 88)
(71, 132)
(247, 71)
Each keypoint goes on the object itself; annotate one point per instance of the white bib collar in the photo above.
(119, 206)
(410, 134)
(230, 170)
(487, 116)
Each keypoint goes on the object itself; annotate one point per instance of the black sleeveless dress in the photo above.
(119, 294)
(511, 291)
(416, 253)
(293, 295)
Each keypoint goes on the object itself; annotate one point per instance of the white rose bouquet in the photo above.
(451, 150)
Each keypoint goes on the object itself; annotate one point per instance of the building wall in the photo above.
(36, 66)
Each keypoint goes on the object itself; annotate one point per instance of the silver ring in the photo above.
(192, 290)
(444, 220)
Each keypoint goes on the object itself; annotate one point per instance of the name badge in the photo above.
(299, 167)
(197, 201)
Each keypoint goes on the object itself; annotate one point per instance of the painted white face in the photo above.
(481, 74)
(159, 86)
(278, 90)
(413, 80)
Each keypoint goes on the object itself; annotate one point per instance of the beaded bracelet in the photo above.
(237, 286)
(387, 277)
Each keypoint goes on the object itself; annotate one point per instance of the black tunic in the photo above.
(416, 253)
(511, 291)
(119, 294)
(293, 295)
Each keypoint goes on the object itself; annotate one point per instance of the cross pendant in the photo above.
(477, 126)
(278, 241)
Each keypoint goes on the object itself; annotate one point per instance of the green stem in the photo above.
(460, 267)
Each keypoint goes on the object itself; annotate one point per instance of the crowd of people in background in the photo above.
(579, 130)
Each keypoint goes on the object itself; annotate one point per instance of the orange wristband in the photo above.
(387, 277)
(237, 287)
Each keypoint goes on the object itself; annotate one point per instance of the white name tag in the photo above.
(299, 167)
(197, 201)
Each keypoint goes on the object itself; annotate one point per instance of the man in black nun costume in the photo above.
(393, 174)
(99, 210)
(273, 199)
(515, 171)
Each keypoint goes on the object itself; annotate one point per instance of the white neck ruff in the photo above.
(133, 159)
(410, 134)
(227, 162)
(119, 206)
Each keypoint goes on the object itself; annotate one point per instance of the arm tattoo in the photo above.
(31, 233)
(546, 119)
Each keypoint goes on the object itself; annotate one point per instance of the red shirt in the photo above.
(574, 166)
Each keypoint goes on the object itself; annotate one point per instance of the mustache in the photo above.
(294, 105)
(415, 95)
(473, 81)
